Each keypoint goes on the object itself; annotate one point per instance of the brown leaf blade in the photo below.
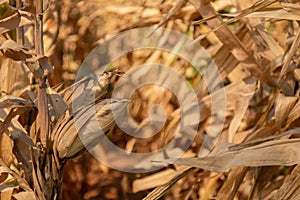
(278, 152)
(12, 50)
(18, 19)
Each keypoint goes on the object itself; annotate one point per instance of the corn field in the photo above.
(161, 99)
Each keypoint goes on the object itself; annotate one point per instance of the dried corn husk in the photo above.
(97, 85)
(73, 133)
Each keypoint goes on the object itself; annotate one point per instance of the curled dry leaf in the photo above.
(18, 145)
(38, 65)
(45, 65)
(8, 101)
(12, 50)
(16, 20)
(20, 142)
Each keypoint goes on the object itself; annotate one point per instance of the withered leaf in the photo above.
(18, 19)
(12, 50)
(24, 195)
(21, 181)
(283, 107)
(278, 152)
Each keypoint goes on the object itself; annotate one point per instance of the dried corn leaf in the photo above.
(283, 108)
(14, 76)
(156, 179)
(243, 95)
(37, 64)
(289, 55)
(262, 177)
(24, 196)
(158, 192)
(294, 113)
(290, 187)
(45, 65)
(235, 92)
(226, 66)
(10, 125)
(7, 191)
(6, 146)
(267, 135)
(21, 181)
(271, 49)
(10, 101)
(13, 125)
(38, 181)
(279, 152)
(16, 20)
(20, 143)
(12, 50)
(286, 11)
(230, 40)
(232, 183)
(178, 5)
(7, 187)
(261, 4)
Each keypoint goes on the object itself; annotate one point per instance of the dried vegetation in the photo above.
(255, 45)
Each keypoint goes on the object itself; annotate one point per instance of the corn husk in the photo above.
(85, 128)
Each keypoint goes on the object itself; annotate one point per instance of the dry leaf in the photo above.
(21, 181)
(290, 187)
(16, 20)
(283, 108)
(156, 179)
(242, 96)
(231, 41)
(14, 76)
(178, 5)
(286, 11)
(12, 50)
(278, 152)
(24, 196)
(6, 146)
